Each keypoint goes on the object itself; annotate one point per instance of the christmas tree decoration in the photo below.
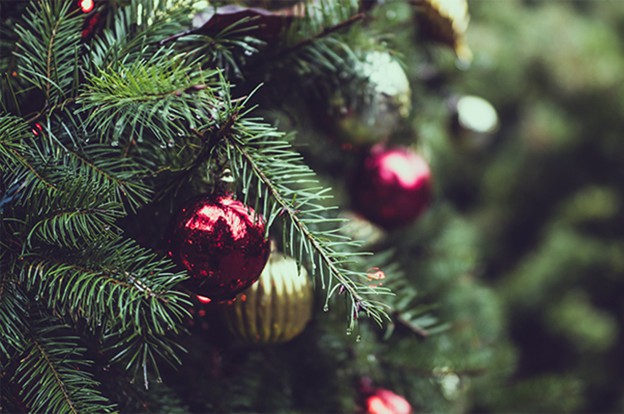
(446, 22)
(274, 309)
(473, 121)
(86, 5)
(392, 186)
(373, 118)
(376, 400)
(220, 241)
(382, 401)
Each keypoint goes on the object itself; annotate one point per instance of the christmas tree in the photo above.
(305, 206)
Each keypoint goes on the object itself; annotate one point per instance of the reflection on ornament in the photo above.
(450, 382)
(393, 186)
(382, 401)
(474, 121)
(389, 405)
(86, 5)
(203, 300)
(388, 78)
(476, 114)
(274, 309)
(220, 241)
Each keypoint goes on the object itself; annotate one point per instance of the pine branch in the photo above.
(227, 50)
(321, 18)
(123, 292)
(323, 34)
(116, 282)
(53, 374)
(288, 189)
(15, 153)
(136, 31)
(407, 307)
(121, 176)
(160, 97)
(13, 314)
(48, 46)
(76, 227)
(139, 352)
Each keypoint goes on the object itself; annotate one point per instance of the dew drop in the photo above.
(37, 298)
(114, 143)
(159, 380)
(326, 308)
(358, 338)
(170, 143)
(349, 331)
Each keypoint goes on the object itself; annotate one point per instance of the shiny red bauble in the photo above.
(392, 186)
(382, 401)
(220, 241)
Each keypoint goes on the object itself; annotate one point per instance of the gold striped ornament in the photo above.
(276, 308)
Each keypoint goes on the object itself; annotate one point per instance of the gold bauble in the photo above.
(276, 308)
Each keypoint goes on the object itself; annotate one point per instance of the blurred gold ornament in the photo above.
(374, 120)
(446, 21)
(274, 309)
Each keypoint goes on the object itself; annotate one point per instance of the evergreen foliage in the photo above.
(123, 121)
(504, 296)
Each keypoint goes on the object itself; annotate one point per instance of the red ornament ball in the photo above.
(382, 401)
(220, 241)
(392, 187)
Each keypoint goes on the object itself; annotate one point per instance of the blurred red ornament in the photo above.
(382, 401)
(393, 186)
(220, 241)
(86, 5)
